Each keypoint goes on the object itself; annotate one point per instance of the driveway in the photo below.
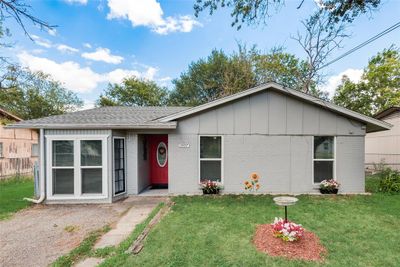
(38, 235)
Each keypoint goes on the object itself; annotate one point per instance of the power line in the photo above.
(379, 35)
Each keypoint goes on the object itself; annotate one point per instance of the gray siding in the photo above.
(350, 163)
(283, 162)
(131, 162)
(77, 132)
(271, 134)
(270, 113)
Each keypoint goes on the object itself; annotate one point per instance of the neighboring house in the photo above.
(18, 148)
(384, 147)
(291, 139)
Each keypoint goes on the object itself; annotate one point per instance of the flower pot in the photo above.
(210, 191)
(328, 190)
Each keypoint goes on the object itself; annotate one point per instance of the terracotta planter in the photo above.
(328, 190)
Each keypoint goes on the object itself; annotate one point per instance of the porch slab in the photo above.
(154, 192)
(142, 206)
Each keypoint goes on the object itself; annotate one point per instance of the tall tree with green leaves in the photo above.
(32, 95)
(208, 79)
(220, 74)
(379, 87)
(134, 92)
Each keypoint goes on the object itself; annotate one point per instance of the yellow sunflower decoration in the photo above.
(253, 183)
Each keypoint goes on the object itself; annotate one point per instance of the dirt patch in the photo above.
(37, 236)
(307, 248)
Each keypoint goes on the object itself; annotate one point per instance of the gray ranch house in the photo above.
(291, 139)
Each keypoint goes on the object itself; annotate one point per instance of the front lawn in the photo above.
(218, 231)
(12, 192)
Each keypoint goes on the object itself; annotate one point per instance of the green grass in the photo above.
(82, 251)
(218, 231)
(113, 254)
(12, 192)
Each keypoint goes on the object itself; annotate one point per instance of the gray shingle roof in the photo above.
(106, 117)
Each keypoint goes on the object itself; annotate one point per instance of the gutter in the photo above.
(41, 172)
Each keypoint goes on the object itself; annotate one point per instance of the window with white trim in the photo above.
(77, 167)
(63, 167)
(211, 158)
(91, 166)
(323, 158)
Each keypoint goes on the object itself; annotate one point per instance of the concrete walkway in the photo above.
(142, 206)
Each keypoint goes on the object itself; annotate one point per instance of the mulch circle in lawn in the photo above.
(307, 248)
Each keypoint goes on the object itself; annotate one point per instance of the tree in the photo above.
(321, 38)
(220, 74)
(32, 95)
(134, 92)
(379, 87)
(20, 11)
(208, 79)
(252, 12)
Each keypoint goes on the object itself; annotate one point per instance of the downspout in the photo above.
(41, 171)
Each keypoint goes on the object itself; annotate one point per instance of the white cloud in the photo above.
(77, 78)
(103, 54)
(37, 51)
(81, 2)
(334, 81)
(150, 14)
(67, 49)
(87, 45)
(118, 75)
(87, 105)
(41, 41)
(52, 32)
(69, 73)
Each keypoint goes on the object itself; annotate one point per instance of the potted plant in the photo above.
(210, 187)
(329, 187)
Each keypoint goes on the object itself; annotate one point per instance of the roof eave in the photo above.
(163, 126)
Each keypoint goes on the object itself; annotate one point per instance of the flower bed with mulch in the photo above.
(307, 248)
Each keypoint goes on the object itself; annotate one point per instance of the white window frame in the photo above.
(113, 166)
(211, 159)
(313, 159)
(76, 167)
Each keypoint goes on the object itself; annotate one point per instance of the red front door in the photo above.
(158, 159)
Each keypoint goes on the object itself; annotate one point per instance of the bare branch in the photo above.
(20, 11)
(320, 39)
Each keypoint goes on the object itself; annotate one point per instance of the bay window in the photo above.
(211, 158)
(323, 158)
(77, 167)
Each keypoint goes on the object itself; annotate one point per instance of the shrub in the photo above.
(389, 181)
(286, 230)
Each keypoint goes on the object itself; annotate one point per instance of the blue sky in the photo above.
(97, 42)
